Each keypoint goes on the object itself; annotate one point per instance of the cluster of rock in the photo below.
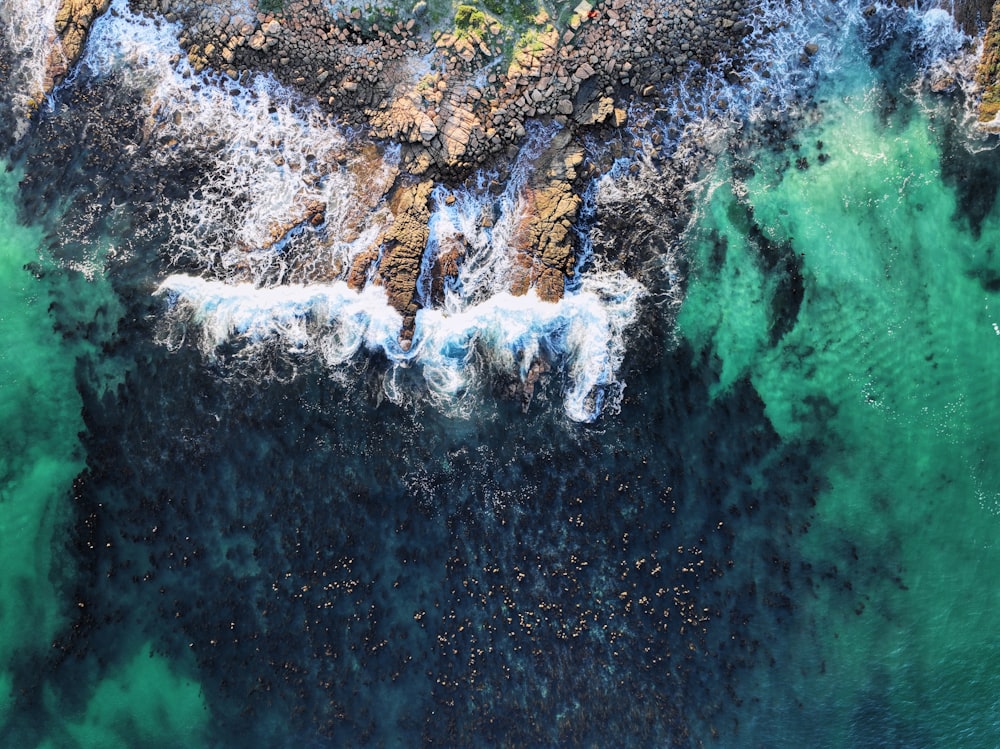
(475, 102)
(988, 75)
(456, 99)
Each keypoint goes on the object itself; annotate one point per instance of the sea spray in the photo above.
(29, 32)
(583, 331)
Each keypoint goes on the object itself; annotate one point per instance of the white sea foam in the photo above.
(267, 156)
(583, 332)
(28, 26)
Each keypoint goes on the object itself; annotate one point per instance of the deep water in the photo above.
(784, 534)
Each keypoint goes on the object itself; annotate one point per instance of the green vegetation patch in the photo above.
(518, 11)
(471, 19)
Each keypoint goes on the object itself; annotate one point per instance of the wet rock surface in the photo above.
(72, 23)
(988, 74)
(454, 96)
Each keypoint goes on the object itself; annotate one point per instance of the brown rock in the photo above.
(403, 245)
(72, 23)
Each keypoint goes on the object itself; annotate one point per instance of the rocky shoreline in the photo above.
(988, 74)
(456, 88)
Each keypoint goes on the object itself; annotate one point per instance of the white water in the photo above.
(29, 31)
(334, 323)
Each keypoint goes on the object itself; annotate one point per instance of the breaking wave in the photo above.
(287, 200)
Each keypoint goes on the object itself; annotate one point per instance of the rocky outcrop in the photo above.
(453, 99)
(401, 249)
(988, 75)
(972, 15)
(543, 245)
(544, 250)
(313, 214)
(72, 24)
(486, 79)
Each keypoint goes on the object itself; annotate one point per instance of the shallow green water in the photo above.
(40, 455)
(139, 700)
(889, 371)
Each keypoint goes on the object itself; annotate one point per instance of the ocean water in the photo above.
(859, 303)
(235, 513)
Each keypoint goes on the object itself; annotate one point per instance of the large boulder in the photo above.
(72, 24)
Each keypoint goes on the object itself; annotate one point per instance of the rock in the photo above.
(403, 245)
(419, 9)
(811, 49)
(426, 127)
(584, 72)
(313, 214)
(596, 112)
(72, 24)
(943, 85)
(988, 74)
(543, 242)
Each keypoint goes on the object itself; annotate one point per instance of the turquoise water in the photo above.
(41, 454)
(785, 538)
(887, 370)
(138, 701)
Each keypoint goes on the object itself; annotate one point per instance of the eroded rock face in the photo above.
(73, 21)
(401, 247)
(545, 254)
(972, 15)
(544, 244)
(988, 75)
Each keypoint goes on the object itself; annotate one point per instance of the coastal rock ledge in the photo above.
(457, 88)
